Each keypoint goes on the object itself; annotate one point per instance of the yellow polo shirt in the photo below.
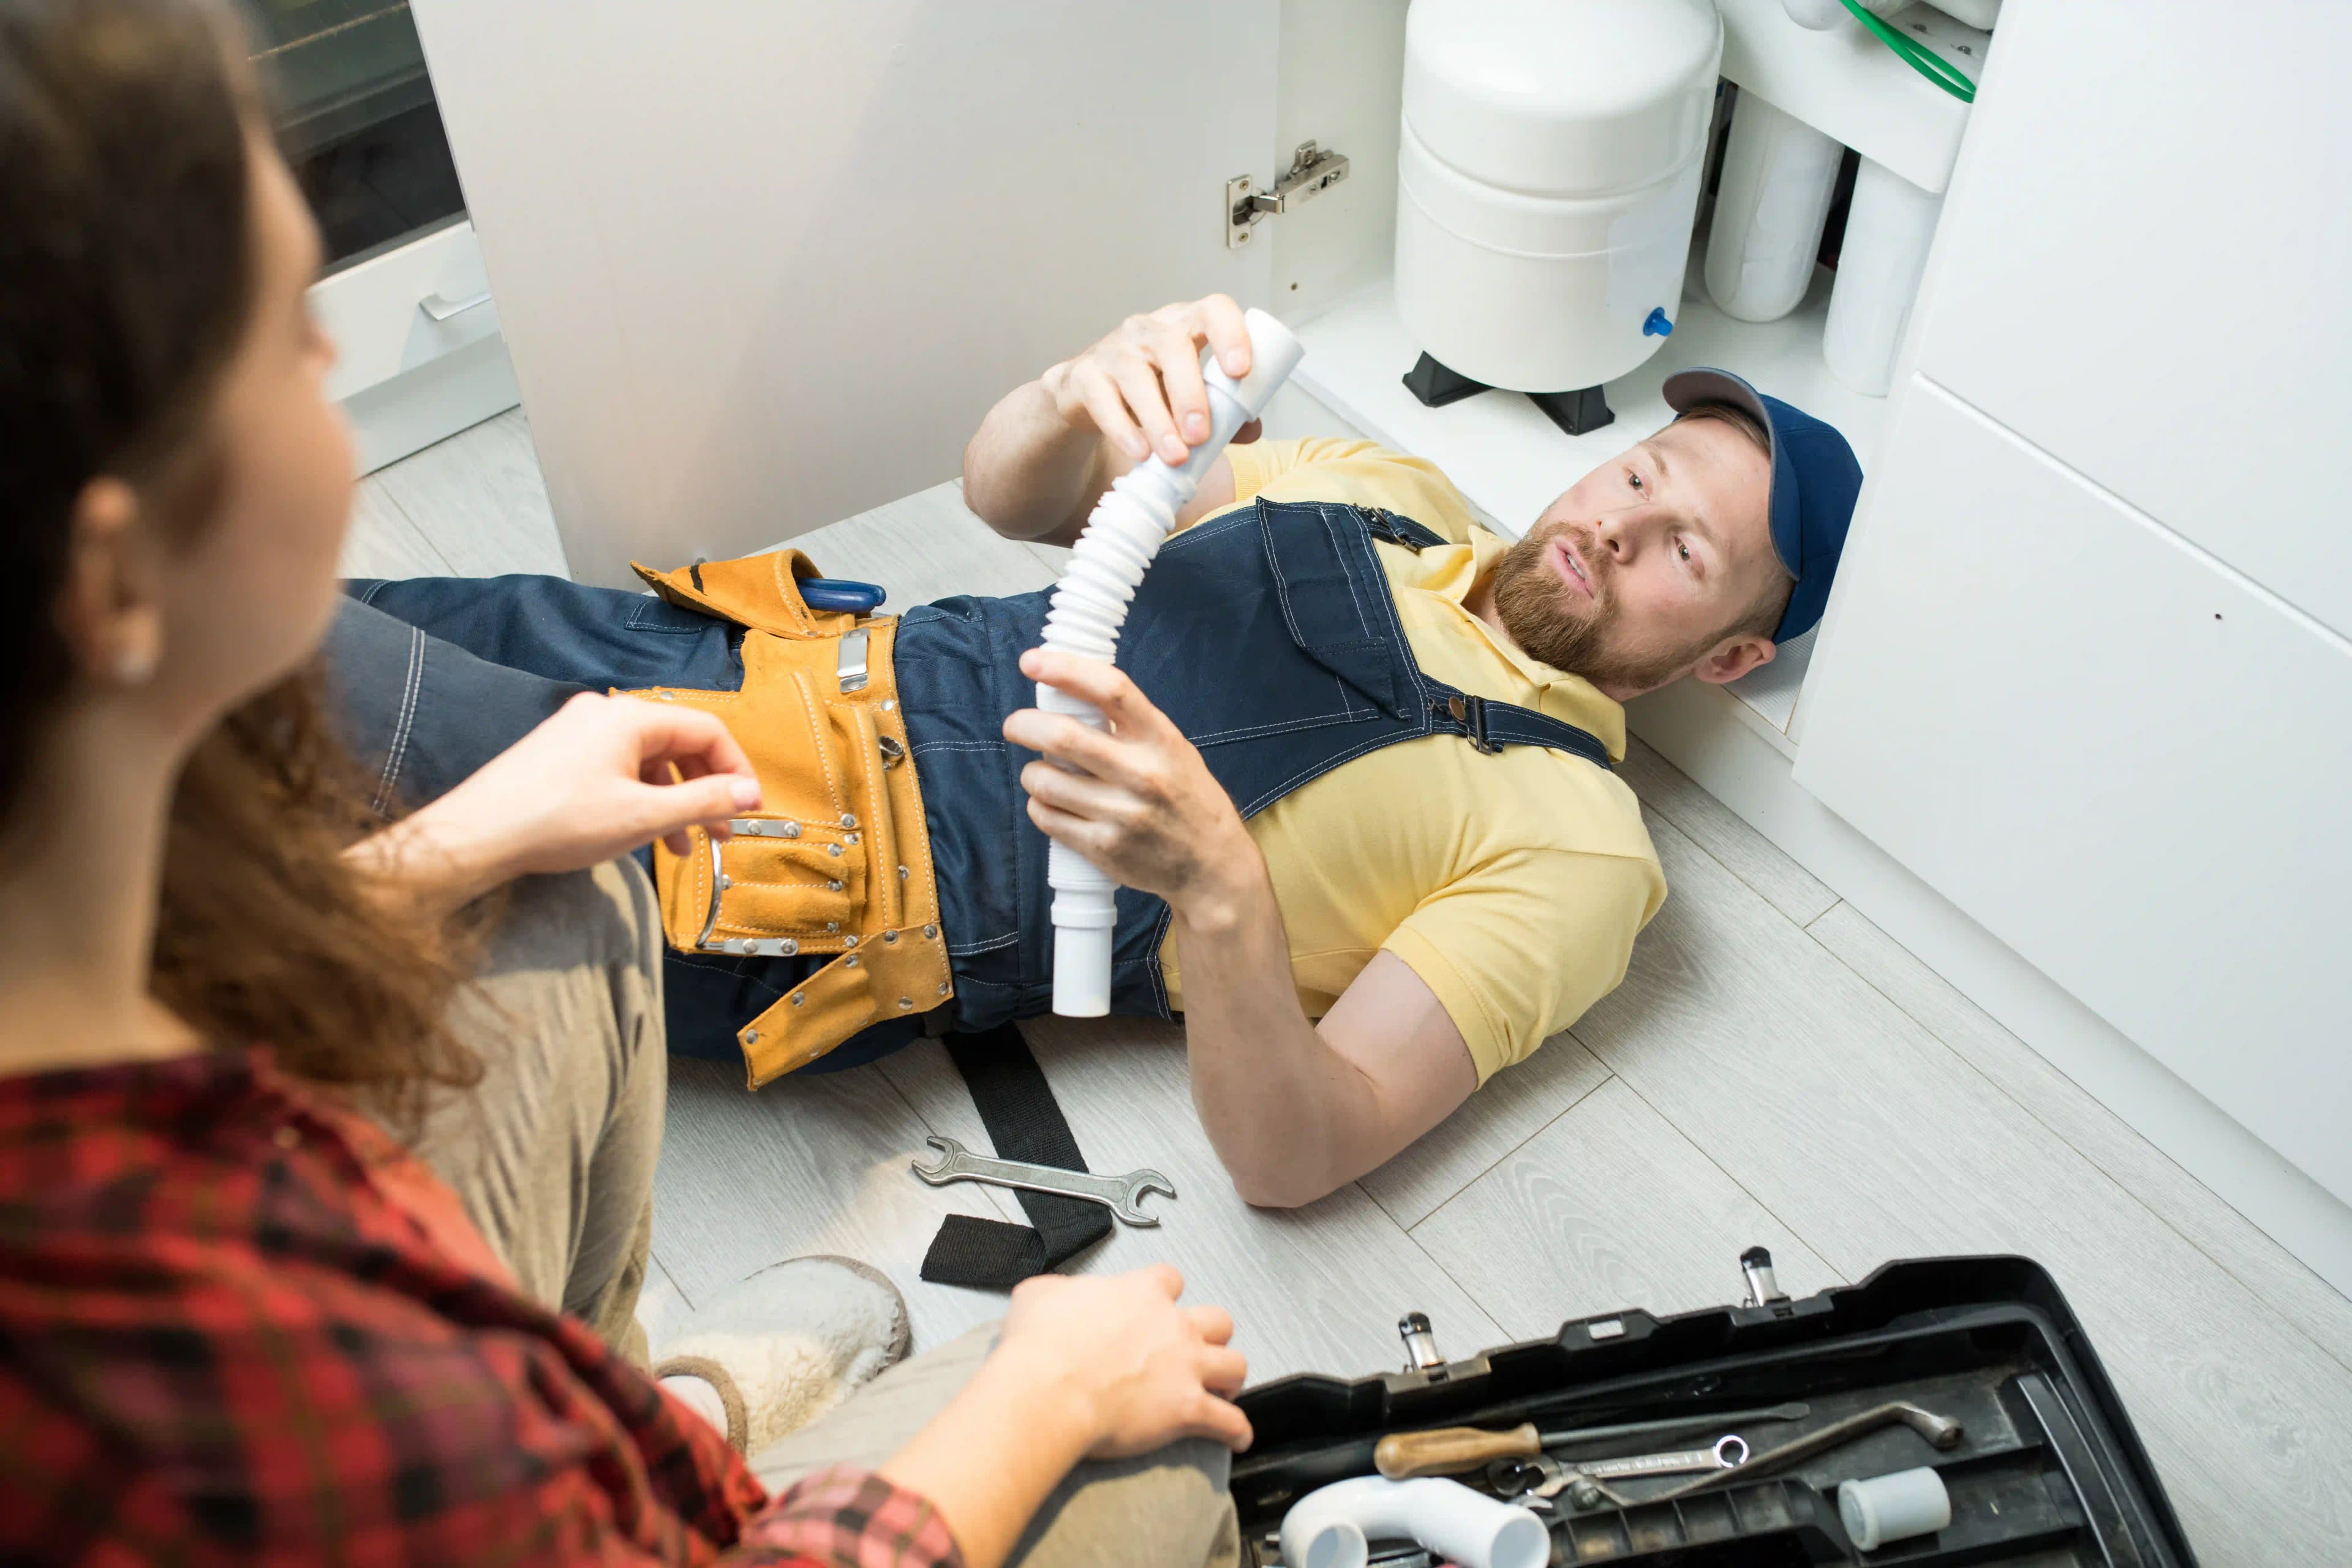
(1512, 884)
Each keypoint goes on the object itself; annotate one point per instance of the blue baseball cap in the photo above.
(1815, 480)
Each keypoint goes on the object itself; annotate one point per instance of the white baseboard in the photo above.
(1699, 730)
(431, 403)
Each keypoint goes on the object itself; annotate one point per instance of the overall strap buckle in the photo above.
(1470, 712)
(1381, 524)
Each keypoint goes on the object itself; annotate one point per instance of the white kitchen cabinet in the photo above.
(417, 351)
(2153, 286)
(762, 266)
(2125, 764)
(2085, 672)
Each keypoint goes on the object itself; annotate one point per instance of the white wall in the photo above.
(765, 263)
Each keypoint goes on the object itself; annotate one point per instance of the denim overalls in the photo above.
(1268, 634)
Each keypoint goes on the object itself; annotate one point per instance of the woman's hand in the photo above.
(1091, 1367)
(1145, 1371)
(1144, 806)
(600, 777)
(1140, 385)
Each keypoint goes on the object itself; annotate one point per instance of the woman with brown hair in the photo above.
(238, 1321)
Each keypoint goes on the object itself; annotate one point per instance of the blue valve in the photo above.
(1655, 324)
(841, 594)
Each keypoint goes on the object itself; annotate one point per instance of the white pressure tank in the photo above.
(1547, 182)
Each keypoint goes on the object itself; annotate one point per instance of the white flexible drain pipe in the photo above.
(1333, 1528)
(1125, 532)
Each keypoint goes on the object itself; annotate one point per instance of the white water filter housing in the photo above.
(1547, 177)
(1769, 208)
(1122, 534)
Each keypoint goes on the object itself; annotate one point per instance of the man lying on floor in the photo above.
(1357, 788)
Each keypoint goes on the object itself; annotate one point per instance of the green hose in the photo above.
(1926, 62)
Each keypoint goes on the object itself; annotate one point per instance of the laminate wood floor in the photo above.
(1774, 1070)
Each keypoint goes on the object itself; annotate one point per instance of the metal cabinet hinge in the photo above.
(1312, 171)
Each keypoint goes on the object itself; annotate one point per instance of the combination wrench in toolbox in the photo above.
(1122, 1195)
(1588, 1477)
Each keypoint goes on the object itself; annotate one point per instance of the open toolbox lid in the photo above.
(2048, 1471)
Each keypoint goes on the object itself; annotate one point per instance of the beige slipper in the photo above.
(789, 1343)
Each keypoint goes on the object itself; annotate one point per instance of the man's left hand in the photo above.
(1143, 806)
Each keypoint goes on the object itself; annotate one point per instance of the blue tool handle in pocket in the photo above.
(841, 594)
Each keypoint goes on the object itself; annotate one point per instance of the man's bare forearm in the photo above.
(1291, 1117)
(1030, 473)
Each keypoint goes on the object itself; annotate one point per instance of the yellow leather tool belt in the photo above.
(837, 860)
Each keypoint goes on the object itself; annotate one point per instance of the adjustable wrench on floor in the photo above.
(1121, 1195)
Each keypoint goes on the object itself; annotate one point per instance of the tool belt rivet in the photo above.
(725, 881)
(887, 705)
(833, 925)
(850, 963)
(943, 987)
(798, 998)
(849, 942)
(847, 820)
(931, 930)
(902, 873)
(833, 886)
(906, 1001)
(751, 1037)
(834, 850)
(852, 838)
(889, 936)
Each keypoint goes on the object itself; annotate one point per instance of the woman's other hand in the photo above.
(1147, 1371)
(1092, 1367)
(600, 777)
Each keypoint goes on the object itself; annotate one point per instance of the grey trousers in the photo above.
(553, 1157)
(553, 1153)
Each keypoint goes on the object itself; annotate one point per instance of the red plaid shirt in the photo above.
(220, 1342)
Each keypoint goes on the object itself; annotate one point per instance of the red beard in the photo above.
(1552, 629)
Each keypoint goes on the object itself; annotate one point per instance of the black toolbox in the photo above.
(2046, 1472)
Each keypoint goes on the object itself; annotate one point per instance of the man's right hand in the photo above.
(1140, 385)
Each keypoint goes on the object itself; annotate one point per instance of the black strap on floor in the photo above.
(1024, 1123)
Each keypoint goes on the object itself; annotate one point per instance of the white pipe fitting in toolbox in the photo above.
(1894, 1507)
(1334, 1527)
(1124, 532)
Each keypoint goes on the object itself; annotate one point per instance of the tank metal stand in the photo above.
(1574, 412)
(1437, 386)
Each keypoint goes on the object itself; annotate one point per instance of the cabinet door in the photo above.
(2126, 761)
(2143, 269)
(765, 263)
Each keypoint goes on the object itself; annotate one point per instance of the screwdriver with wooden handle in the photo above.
(1450, 1450)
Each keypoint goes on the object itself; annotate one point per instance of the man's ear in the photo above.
(1735, 656)
(109, 607)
